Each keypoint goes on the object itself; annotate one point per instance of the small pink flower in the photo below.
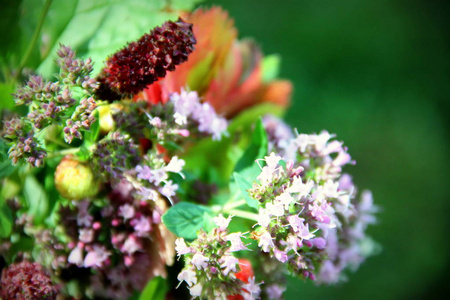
(265, 242)
(221, 222)
(280, 255)
(181, 247)
(200, 261)
(96, 257)
(236, 242)
(229, 263)
(188, 276)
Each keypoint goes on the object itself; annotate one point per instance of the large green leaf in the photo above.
(36, 199)
(247, 167)
(244, 185)
(155, 289)
(98, 28)
(185, 219)
(6, 220)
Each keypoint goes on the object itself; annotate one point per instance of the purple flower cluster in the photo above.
(118, 242)
(292, 211)
(210, 265)
(112, 157)
(310, 217)
(189, 110)
(154, 177)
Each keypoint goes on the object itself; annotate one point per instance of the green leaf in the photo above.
(244, 185)
(247, 166)
(6, 99)
(91, 136)
(185, 5)
(36, 198)
(185, 219)
(270, 67)
(6, 168)
(6, 221)
(155, 289)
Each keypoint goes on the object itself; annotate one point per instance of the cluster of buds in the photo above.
(113, 156)
(51, 103)
(25, 144)
(75, 71)
(141, 63)
(82, 118)
(210, 266)
(26, 280)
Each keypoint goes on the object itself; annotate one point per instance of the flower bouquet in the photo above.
(166, 172)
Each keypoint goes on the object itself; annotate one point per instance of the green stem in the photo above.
(243, 214)
(34, 39)
(63, 152)
(227, 207)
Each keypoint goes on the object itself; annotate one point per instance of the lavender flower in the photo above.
(210, 266)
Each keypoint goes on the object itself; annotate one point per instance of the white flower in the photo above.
(263, 217)
(188, 276)
(76, 256)
(126, 211)
(265, 242)
(200, 261)
(236, 242)
(229, 263)
(252, 289)
(175, 165)
(96, 257)
(221, 222)
(181, 247)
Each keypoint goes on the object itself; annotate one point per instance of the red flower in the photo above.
(243, 275)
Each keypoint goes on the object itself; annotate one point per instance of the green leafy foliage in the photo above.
(155, 289)
(6, 168)
(185, 219)
(98, 28)
(244, 185)
(91, 136)
(246, 167)
(36, 199)
(6, 220)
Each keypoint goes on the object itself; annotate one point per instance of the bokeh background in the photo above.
(376, 73)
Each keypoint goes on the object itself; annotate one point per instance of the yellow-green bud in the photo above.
(75, 180)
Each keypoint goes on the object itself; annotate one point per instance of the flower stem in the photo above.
(34, 39)
(243, 214)
(63, 152)
(227, 207)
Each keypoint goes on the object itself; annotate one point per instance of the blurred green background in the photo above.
(376, 73)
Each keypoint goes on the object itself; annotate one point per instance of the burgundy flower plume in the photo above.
(140, 63)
